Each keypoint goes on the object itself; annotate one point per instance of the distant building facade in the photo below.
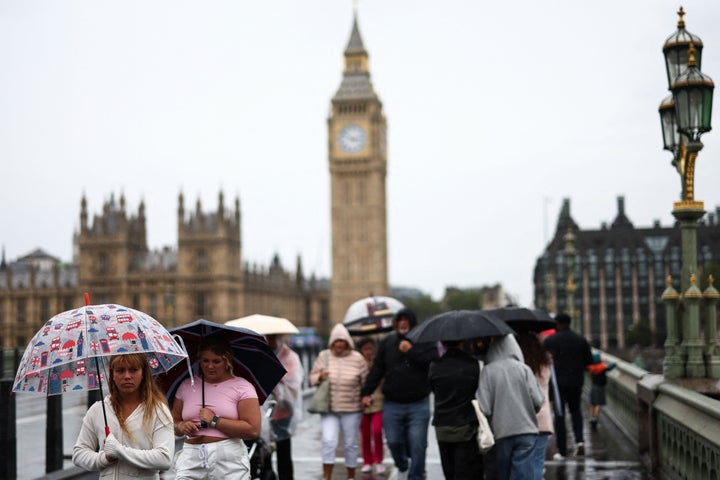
(204, 277)
(620, 273)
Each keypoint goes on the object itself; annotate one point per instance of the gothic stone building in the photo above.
(202, 278)
(620, 272)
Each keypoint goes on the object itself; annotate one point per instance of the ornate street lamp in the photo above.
(570, 287)
(676, 47)
(684, 117)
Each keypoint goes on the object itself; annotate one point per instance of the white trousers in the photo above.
(332, 424)
(224, 460)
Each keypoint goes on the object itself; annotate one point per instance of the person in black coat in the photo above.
(406, 406)
(571, 355)
(454, 381)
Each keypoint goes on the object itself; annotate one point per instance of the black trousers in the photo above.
(284, 460)
(461, 460)
(570, 398)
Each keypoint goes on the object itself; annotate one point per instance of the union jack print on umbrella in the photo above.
(61, 356)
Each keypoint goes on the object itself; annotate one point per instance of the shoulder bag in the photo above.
(485, 437)
(320, 401)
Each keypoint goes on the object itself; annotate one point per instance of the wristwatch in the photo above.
(214, 422)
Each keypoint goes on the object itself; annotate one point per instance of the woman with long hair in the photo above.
(141, 441)
(539, 361)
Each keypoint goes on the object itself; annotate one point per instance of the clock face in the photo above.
(352, 139)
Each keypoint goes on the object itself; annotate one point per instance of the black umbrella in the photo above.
(253, 359)
(458, 325)
(524, 319)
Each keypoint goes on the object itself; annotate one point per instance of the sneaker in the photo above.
(402, 475)
(580, 449)
(558, 457)
(379, 468)
(366, 468)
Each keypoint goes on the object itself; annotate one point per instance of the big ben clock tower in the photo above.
(358, 166)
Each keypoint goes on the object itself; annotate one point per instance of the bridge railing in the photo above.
(676, 430)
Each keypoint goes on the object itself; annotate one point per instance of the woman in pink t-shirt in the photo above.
(214, 431)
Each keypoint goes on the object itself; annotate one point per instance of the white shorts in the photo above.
(226, 460)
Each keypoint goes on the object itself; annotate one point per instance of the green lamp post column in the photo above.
(712, 349)
(682, 126)
(692, 343)
(570, 287)
(673, 365)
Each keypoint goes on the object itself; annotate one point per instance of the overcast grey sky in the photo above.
(496, 111)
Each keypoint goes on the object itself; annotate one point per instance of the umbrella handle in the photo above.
(180, 340)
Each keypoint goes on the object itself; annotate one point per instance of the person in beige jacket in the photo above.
(346, 370)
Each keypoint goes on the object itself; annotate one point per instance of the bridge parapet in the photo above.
(676, 429)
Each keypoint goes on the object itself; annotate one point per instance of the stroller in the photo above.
(261, 449)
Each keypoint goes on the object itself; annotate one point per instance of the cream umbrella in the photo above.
(265, 324)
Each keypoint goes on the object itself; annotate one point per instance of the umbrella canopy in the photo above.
(265, 324)
(253, 358)
(458, 325)
(61, 355)
(524, 319)
(371, 315)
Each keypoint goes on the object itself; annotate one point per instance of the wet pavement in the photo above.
(608, 456)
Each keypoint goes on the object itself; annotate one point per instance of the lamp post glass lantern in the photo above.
(684, 116)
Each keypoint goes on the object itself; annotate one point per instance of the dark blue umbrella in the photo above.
(253, 359)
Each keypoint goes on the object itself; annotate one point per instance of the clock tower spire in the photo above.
(358, 167)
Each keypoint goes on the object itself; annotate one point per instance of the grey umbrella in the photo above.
(458, 325)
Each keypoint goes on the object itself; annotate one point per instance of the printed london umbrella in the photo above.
(265, 324)
(66, 354)
(458, 325)
(524, 319)
(253, 359)
(372, 314)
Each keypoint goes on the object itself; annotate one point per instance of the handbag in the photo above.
(485, 437)
(320, 401)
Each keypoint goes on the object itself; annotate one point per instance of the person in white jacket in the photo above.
(141, 442)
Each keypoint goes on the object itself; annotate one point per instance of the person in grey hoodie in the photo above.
(510, 396)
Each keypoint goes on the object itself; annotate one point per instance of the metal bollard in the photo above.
(54, 434)
(8, 437)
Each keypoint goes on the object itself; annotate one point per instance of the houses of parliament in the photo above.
(205, 276)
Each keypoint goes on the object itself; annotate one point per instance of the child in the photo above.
(597, 392)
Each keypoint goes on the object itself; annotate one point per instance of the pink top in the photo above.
(222, 398)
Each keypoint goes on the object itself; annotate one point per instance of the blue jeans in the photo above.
(514, 456)
(406, 432)
(539, 454)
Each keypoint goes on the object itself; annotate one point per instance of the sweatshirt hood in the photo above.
(505, 347)
(407, 313)
(340, 332)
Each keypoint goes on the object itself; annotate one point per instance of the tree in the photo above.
(424, 306)
(459, 299)
(639, 334)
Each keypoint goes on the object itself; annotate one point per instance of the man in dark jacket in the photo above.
(406, 406)
(571, 354)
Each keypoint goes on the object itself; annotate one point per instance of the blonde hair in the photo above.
(150, 394)
(219, 346)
